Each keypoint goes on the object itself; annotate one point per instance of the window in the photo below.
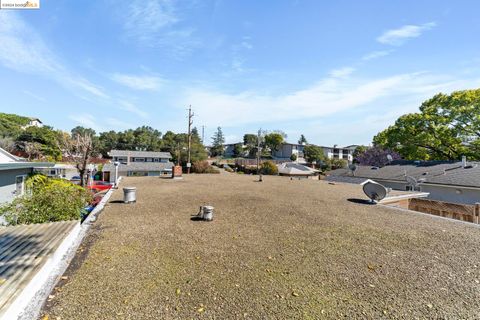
(137, 173)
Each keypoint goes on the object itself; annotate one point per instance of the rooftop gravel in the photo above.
(277, 249)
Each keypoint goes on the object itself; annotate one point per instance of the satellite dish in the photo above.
(411, 181)
(375, 191)
(389, 158)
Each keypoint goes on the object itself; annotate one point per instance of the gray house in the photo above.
(137, 163)
(13, 172)
(456, 182)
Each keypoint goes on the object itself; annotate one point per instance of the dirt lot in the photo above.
(279, 249)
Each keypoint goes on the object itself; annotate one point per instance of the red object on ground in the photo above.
(99, 186)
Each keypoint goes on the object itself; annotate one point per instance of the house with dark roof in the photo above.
(137, 163)
(13, 173)
(456, 182)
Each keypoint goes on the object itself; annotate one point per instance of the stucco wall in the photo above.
(447, 194)
(7, 183)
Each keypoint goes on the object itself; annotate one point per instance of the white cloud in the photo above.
(23, 50)
(342, 72)
(397, 37)
(138, 82)
(130, 107)
(327, 97)
(155, 23)
(35, 96)
(376, 54)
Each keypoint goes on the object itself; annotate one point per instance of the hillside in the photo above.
(11, 124)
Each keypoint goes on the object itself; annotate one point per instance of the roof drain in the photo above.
(205, 213)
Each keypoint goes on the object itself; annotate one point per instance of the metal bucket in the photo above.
(129, 194)
(208, 213)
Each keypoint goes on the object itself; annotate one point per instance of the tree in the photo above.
(358, 150)
(237, 150)
(293, 157)
(217, 143)
(377, 157)
(302, 140)
(250, 141)
(78, 148)
(314, 154)
(447, 127)
(41, 140)
(274, 141)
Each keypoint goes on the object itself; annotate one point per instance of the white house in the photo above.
(34, 122)
(456, 182)
(137, 163)
(337, 152)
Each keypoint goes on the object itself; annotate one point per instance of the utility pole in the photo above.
(258, 154)
(190, 122)
(203, 134)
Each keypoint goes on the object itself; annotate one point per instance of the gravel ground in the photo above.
(279, 249)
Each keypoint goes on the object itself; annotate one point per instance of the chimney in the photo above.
(464, 161)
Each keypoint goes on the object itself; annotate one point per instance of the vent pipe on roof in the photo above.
(464, 161)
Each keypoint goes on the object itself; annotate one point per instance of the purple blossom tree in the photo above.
(377, 157)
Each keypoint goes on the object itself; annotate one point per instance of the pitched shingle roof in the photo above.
(431, 172)
(146, 154)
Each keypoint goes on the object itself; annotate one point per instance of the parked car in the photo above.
(75, 180)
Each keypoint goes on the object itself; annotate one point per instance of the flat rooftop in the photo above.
(276, 249)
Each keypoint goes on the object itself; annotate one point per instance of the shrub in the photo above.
(268, 167)
(293, 157)
(203, 167)
(46, 200)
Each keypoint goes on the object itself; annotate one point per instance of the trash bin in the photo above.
(129, 194)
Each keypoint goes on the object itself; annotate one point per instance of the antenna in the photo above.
(190, 122)
(412, 181)
(375, 191)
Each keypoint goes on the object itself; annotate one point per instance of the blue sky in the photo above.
(336, 71)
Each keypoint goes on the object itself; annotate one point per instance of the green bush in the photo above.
(269, 168)
(46, 200)
(293, 157)
(203, 167)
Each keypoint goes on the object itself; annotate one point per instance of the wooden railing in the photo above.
(464, 212)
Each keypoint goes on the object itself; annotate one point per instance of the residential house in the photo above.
(286, 151)
(59, 170)
(337, 152)
(13, 173)
(137, 163)
(456, 182)
(34, 122)
(229, 150)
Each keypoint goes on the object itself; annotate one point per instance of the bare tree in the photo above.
(78, 148)
(33, 150)
(7, 144)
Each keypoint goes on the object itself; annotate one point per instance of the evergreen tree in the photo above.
(217, 143)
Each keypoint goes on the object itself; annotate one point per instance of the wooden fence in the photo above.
(464, 212)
